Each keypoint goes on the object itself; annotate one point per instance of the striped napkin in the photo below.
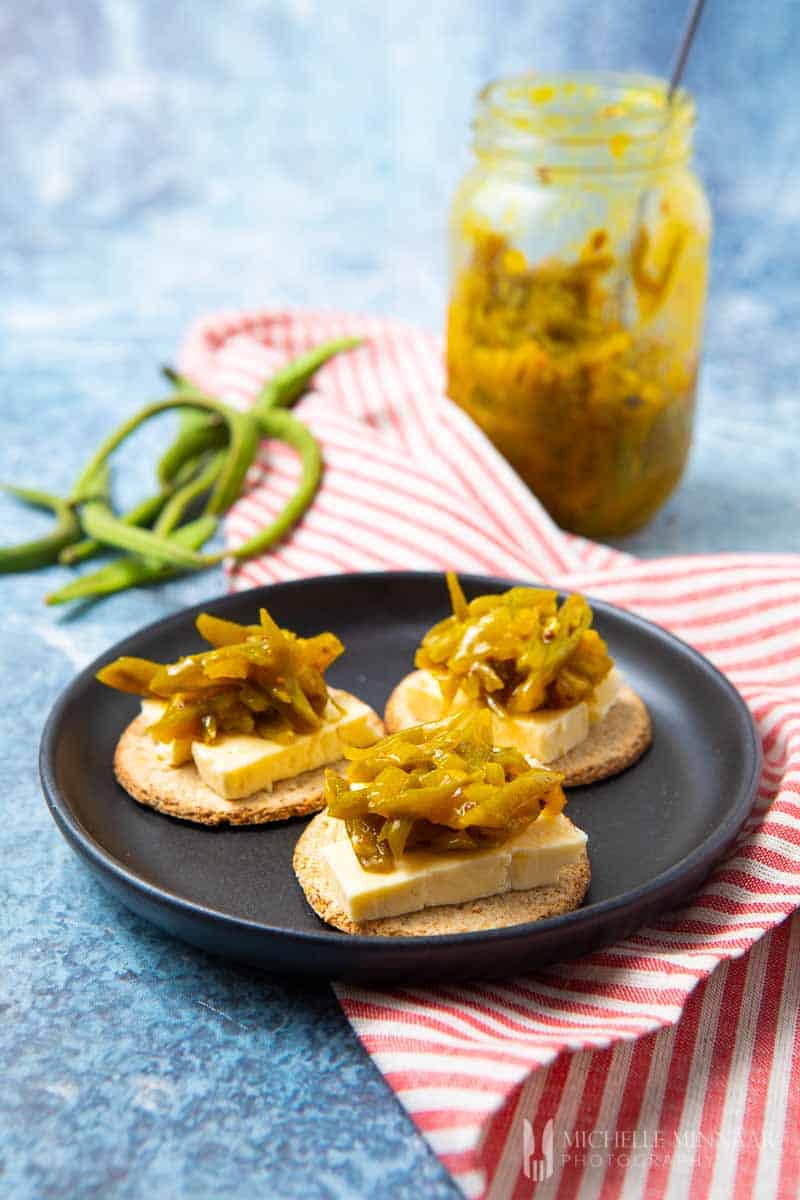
(634, 1070)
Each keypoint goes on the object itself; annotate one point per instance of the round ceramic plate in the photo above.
(655, 831)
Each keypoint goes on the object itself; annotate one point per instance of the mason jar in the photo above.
(579, 262)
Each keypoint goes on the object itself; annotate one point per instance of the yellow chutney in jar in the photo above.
(579, 262)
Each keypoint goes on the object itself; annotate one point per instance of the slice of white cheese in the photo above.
(605, 695)
(236, 765)
(420, 880)
(544, 735)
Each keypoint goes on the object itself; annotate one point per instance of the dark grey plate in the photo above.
(654, 832)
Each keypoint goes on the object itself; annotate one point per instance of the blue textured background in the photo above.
(164, 159)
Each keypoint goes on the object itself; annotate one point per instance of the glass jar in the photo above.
(579, 262)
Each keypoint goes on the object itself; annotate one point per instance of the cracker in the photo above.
(613, 744)
(323, 893)
(180, 792)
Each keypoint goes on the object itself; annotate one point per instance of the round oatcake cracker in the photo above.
(180, 792)
(323, 893)
(613, 744)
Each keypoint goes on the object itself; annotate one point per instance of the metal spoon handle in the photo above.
(683, 50)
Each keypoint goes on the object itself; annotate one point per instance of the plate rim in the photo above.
(706, 853)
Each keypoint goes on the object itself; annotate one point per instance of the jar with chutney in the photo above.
(579, 262)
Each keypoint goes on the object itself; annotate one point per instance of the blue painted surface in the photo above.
(165, 160)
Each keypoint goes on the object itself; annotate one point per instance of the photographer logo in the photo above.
(537, 1167)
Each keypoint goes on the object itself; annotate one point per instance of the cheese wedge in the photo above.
(237, 765)
(424, 880)
(544, 735)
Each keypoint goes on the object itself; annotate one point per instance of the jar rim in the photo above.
(591, 119)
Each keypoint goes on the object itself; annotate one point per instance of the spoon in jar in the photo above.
(676, 74)
(683, 50)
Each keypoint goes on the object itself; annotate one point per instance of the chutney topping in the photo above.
(438, 787)
(515, 652)
(256, 679)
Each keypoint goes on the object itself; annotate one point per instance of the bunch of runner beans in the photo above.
(199, 478)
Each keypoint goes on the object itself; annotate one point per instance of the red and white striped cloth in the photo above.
(669, 1064)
